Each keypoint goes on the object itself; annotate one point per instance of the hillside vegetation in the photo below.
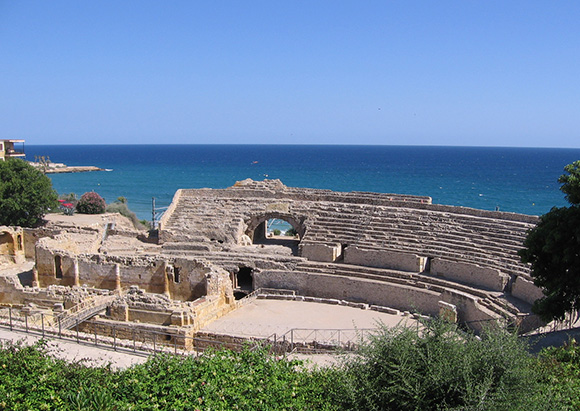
(438, 368)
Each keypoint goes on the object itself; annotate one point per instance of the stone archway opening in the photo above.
(243, 282)
(276, 230)
(6, 244)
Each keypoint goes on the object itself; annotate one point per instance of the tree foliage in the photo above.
(571, 183)
(26, 194)
(553, 250)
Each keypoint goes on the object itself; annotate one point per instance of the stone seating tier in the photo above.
(492, 299)
(371, 221)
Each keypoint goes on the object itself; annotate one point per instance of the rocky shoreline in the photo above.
(57, 168)
(72, 169)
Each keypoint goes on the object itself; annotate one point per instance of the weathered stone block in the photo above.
(384, 259)
(467, 273)
(321, 252)
(525, 290)
(447, 312)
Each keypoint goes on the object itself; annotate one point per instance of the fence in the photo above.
(117, 337)
(144, 341)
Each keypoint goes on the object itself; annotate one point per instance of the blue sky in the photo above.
(478, 73)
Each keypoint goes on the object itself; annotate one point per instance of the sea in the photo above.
(519, 180)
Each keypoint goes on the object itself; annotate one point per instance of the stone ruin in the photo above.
(387, 250)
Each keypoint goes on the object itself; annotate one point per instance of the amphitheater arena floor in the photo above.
(262, 318)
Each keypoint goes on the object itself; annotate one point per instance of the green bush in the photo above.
(562, 368)
(438, 367)
(221, 380)
(91, 203)
(291, 232)
(122, 208)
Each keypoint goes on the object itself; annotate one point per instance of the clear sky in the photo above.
(479, 73)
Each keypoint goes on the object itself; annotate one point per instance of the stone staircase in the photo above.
(83, 311)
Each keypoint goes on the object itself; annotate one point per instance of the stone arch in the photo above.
(6, 243)
(256, 224)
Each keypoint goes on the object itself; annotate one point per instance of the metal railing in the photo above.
(114, 336)
(145, 342)
(84, 310)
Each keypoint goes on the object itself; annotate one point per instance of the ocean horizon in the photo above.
(520, 180)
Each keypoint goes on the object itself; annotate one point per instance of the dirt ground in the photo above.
(262, 318)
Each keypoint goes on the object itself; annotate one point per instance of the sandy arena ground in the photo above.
(262, 318)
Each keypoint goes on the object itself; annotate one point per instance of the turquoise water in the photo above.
(522, 180)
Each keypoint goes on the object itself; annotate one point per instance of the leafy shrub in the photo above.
(291, 232)
(438, 367)
(433, 368)
(69, 198)
(122, 208)
(562, 367)
(91, 203)
(221, 380)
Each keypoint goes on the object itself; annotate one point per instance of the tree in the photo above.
(26, 194)
(571, 183)
(552, 248)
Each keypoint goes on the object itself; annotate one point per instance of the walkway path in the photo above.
(75, 352)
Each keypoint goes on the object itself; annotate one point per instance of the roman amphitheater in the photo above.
(390, 253)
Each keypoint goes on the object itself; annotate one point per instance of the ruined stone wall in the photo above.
(384, 259)
(395, 295)
(11, 245)
(321, 252)
(11, 291)
(525, 290)
(352, 289)
(187, 279)
(470, 274)
(31, 236)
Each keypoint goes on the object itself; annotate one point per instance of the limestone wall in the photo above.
(384, 259)
(398, 296)
(164, 235)
(11, 245)
(11, 290)
(321, 252)
(525, 290)
(147, 335)
(31, 236)
(470, 274)
(187, 279)
(341, 288)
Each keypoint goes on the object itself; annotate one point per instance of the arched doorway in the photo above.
(276, 229)
(6, 244)
(242, 282)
